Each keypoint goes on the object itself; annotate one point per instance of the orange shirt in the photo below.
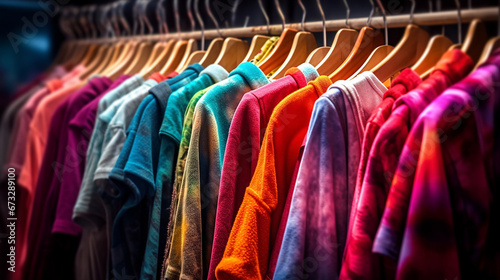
(254, 230)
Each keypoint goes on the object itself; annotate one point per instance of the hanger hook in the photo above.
(233, 12)
(385, 21)
(114, 19)
(320, 8)
(90, 18)
(303, 14)
(265, 16)
(190, 14)
(348, 13)
(372, 11)
(200, 22)
(74, 19)
(412, 11)
(82, 19)
(280, 12)
(63, 20)
(177, 18)
(145, 17)
(209, 12)
(457, 3)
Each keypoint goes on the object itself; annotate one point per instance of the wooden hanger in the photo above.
(155, 53)
(379, 54)
(491, 46)
(436, 47)
(191, 47)
(212, 52)
(123, 52)
(406, 53)
(258, 42)
(99, 59)
(159, 60)
(232, 53)
(140, 58)
(341, 47)
(475, 39)
(317, 55)
(280, 51)
(129, 53)
(174, 58)
(195, 57)
(303, 44)
(368, 39)
(90, 55)
(79, 53)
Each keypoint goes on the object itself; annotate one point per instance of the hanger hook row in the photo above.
(200, 22)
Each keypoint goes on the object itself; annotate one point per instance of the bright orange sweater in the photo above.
(254, 230)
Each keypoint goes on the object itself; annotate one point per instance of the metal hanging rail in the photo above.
(395, 21)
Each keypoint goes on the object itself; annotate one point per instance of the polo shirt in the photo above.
(134, 141)
(89, 212)
(254, 229)
(243, 146)
(317, 223)
(197, 201)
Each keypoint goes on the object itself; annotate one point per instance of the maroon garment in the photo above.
(360, 262)
(47, 189)
(242, 152)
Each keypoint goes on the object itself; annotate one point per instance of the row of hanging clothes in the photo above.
(278, 159)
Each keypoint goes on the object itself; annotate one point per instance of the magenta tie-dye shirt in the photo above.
(440, 221)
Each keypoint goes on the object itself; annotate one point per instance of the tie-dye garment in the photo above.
(243, 146)
(179, 172)
(440, 220)
(316, 229)
(406, 81)
(382, 162)
(197, 199)
(256, 224)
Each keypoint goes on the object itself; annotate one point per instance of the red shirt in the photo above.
(382, 162)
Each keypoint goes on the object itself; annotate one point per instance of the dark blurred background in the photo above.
(22, 58)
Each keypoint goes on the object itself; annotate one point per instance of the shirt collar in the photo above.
(216, 72)
(254, 77)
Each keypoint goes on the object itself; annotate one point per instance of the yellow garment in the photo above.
(265, 50)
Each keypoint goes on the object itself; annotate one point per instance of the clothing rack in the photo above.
(393, 21)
